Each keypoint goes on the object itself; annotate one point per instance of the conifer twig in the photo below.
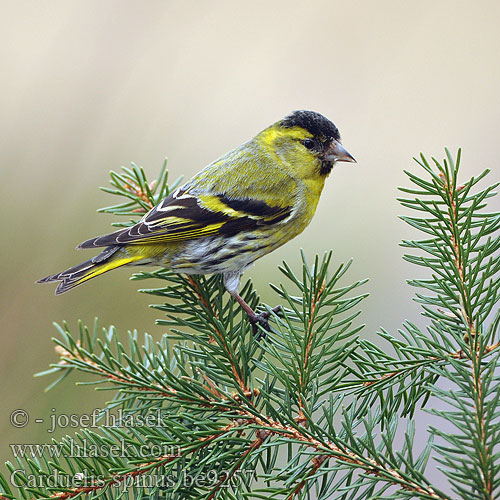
(315, 387)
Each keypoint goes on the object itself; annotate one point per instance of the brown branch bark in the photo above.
(473, 336)
(234, 364)
(301, 417)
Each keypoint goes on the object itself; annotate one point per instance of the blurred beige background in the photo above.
(88, 86)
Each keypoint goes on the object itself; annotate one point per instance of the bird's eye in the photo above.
(308, 143)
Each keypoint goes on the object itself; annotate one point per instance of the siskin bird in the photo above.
(239, 208)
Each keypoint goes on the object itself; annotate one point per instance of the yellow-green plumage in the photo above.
(242, 206)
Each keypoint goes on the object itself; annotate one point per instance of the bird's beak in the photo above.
(337, 152)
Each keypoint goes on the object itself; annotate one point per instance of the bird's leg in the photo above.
(256, 319)
(232, 282)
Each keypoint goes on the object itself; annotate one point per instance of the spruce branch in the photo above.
(464, 257)
(141, 195)
(313, 410)
(245, 416)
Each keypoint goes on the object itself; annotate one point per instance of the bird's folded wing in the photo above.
(185, 216)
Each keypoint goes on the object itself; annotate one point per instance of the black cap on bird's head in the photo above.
(326, 137)
(313, 122)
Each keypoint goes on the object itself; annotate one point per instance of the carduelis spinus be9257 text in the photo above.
(239, 208)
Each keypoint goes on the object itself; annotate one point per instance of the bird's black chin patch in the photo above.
(326, 167)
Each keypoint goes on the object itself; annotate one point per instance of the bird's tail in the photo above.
(108, 259)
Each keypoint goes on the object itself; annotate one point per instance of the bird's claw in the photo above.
(262, 320)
